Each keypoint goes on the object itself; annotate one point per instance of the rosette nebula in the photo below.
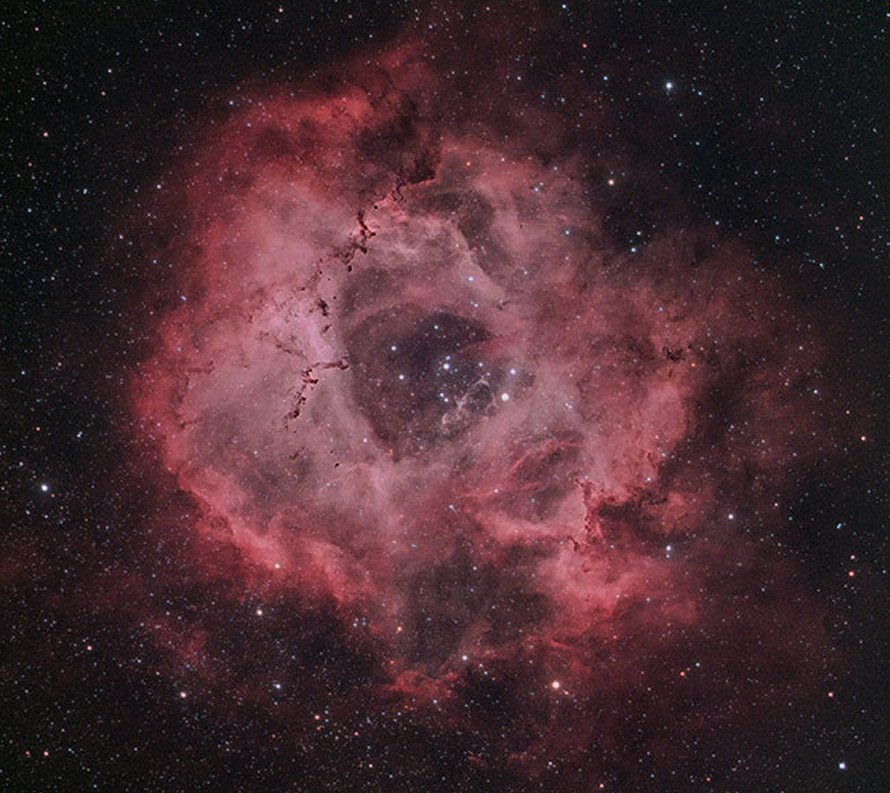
(442, 412)
(514, 486)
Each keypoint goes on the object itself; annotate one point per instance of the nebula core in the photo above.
(469, 460)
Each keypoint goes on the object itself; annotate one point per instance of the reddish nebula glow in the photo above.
(413, 382)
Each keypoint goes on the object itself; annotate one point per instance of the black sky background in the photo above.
(775, 130)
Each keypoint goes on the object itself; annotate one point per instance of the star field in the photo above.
(461, 397)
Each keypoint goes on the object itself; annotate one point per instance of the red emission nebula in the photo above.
(530, 477)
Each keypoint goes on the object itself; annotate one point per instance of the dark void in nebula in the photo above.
(449, 464)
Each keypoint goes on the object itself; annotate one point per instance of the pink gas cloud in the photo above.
(412, 380)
